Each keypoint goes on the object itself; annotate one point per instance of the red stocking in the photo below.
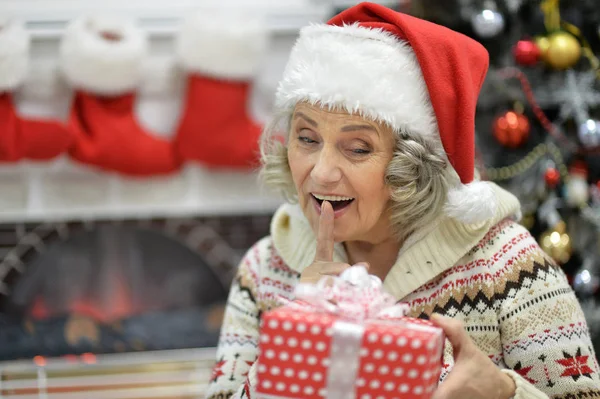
(102, 59)
(221, 59)
(109, 137)
(22, 138)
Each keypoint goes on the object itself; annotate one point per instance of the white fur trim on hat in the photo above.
(471, 203)
(222, 45)
(361, 70)
(99, 65)
(14, 54)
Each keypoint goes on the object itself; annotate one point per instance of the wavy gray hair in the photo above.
(418, 175)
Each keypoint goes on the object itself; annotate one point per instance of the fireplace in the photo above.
(113, 310)
(111, 287)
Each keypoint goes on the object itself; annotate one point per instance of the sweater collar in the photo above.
(425, 255)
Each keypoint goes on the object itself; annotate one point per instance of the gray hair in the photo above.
(418, 175)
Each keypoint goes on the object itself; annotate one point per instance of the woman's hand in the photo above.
(323, 265)
(474, 375)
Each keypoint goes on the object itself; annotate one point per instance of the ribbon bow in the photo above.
(354, 295)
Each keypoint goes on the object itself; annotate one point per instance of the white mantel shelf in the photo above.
(61, 191)
(47, 18)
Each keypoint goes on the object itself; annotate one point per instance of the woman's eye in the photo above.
(306, 140)
(361, 151)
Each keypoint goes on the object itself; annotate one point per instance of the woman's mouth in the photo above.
(339, 203)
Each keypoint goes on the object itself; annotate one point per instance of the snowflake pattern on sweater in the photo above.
(513, 300)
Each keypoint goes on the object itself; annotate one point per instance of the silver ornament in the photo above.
(586, 281)
(589, 133)
(487, 23)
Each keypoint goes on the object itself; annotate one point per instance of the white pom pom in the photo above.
(471, 203)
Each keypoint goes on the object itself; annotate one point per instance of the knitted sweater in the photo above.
(514, 301)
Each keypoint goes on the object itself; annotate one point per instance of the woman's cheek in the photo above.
(294, 162)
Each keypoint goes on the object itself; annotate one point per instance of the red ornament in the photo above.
(552, 177)
(579, 167)
(511, 129)
(527, 53)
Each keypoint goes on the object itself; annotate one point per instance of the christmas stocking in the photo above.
(102, 58)
(21, 137)
(220, 56)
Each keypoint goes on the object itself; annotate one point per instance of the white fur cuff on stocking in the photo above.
(14, 54)
(222, 44)
(103, 54)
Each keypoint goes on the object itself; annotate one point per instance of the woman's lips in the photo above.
(337, 212)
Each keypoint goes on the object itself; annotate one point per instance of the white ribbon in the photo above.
(354, 295)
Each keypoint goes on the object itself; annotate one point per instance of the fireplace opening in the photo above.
(112, 288)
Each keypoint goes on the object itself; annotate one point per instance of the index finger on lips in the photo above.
(325, 234)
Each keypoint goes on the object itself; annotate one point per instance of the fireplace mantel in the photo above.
(61, 192)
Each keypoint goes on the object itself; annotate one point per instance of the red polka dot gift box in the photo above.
(347, 341)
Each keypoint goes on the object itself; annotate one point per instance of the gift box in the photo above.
(347, 339)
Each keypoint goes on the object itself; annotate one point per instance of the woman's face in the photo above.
(341, 158)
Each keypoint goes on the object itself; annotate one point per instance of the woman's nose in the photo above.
(326, 169)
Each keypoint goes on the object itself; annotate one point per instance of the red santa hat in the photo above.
(414, 75)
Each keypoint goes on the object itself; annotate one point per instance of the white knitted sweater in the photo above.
(514, 301)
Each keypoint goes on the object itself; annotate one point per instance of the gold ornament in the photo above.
(564, 51)
(528, 221)
(557, 243)
(544, 44)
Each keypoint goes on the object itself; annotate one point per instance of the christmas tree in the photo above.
(538, 122)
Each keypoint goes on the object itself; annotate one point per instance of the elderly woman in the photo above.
(378, 166)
